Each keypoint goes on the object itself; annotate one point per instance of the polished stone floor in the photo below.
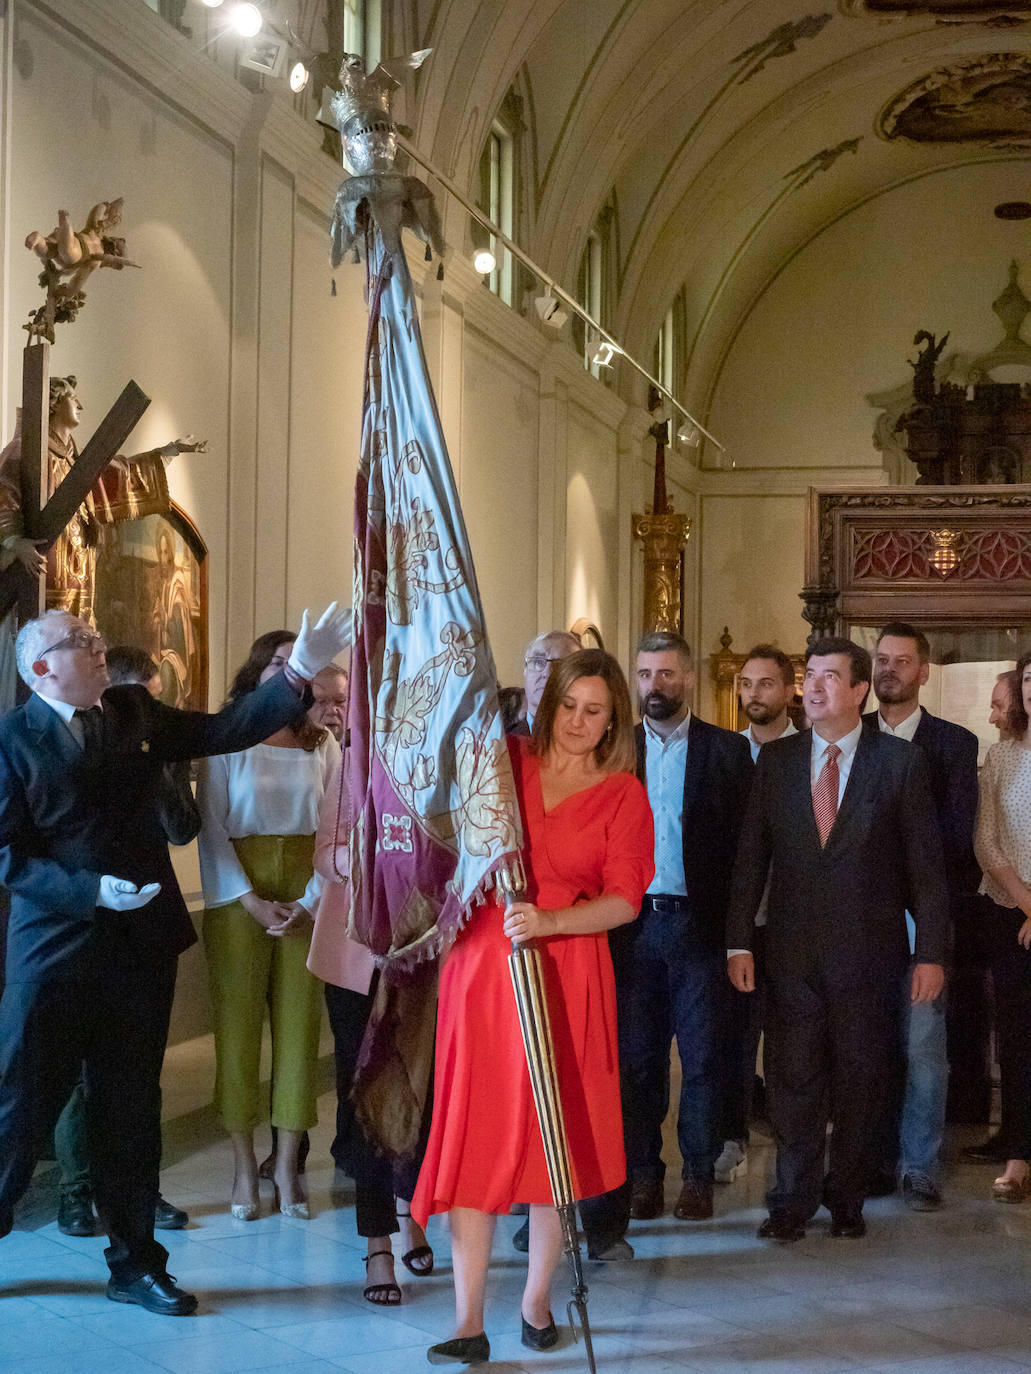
(947, 1293)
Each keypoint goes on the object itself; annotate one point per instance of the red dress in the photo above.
(485, 1148)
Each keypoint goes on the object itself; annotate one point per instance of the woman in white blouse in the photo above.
(260, 810)
(1002, 843)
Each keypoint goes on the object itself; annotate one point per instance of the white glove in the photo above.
(318, 644)
(118, 894)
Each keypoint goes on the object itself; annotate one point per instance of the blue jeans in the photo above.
(669, 982)
(922, 1128)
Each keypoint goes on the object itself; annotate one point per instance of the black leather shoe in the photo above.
(848, 1225)
(694, 1202)
(920, 1193)
(646, 1200)
(461, 1350)
(540, 1337)
(785, 1230)
(167, 1217)
(521, 1238)
(75, 1214)
(156, 1292)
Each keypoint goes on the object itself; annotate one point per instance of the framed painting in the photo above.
(152, 592)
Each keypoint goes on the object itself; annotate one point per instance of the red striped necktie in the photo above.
(825, 793)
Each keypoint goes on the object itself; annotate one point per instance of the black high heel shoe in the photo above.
(410, 1259)
(461, 1350)
(540, 1337)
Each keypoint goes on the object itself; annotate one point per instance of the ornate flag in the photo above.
(431, 805)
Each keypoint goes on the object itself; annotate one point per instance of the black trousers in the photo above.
(377, 1180)
(741, 1029)
(1011, 980)
(832, 1046)
(111, 1025)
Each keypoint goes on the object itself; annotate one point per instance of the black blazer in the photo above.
(842, 906)
(67, 819)
(951, 754)
(716, 785)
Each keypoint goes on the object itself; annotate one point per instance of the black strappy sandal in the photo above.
(381, 1294)
(419, 1252)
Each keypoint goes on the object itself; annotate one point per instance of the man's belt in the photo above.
(667, 904)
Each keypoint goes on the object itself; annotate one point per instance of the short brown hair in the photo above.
(901, 629)
(1014, 720)
(1019, 714)
(615, 751)
(775, 655)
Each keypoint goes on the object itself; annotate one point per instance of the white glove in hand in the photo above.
(118, 894)
(318, 644)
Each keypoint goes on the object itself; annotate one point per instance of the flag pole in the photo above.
(535, 1025)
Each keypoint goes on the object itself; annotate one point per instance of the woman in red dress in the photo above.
(588, 845)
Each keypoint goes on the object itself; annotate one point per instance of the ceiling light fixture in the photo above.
(689, 434)
(549, 310)
(299, 77)
(484, 261)
(246, 19)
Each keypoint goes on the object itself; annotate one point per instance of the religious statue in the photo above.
(70, 257)
(360, 109)
(926, 361)
(128, 488)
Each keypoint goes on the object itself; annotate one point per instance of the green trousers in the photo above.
(250, 971)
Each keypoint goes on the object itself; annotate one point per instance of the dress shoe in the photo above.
(848, 1225)
(75, 1214)
(920, 1193)
(694, 1202)
(881, 1182)
(298, 1210)
(540, 1337)
(782, 1228)
(732, 1162)
(167, 1217)
(994, 1150)
(646, 1200)
(612, 1254)
(461, 1350)
(521, 1238)
(156, 1292)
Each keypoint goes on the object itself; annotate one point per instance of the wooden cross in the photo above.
(45, 522)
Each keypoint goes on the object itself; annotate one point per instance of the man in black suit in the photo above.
(842, 822)
(914, 1127)
(669, 962)
(97, 921)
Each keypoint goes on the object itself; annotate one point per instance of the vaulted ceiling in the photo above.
(725, 133)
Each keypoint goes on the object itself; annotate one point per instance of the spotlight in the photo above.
(484, 261)
(689, 434)
(211, 4)
(549, 310)
(246, 19)
(606, 352)
(299, 77)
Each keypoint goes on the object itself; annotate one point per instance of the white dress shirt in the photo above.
(847, 744)
(665, 760)
(67, 713)
(905, 729)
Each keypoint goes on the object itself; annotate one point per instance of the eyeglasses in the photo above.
(539, 662)
(79, 639)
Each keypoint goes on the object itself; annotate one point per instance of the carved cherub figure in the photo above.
(70, 257)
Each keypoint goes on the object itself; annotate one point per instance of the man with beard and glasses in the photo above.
(669, 962)
(766, 685)
(911, 1139)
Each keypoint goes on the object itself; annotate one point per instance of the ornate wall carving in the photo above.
(982, 100)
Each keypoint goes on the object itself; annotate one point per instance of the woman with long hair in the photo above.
(1002, 843)
(587, 831)
(260, 810)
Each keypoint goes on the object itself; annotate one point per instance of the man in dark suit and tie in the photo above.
(97, 921)
(669, 962)
(914, 1127)
(842, 822)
